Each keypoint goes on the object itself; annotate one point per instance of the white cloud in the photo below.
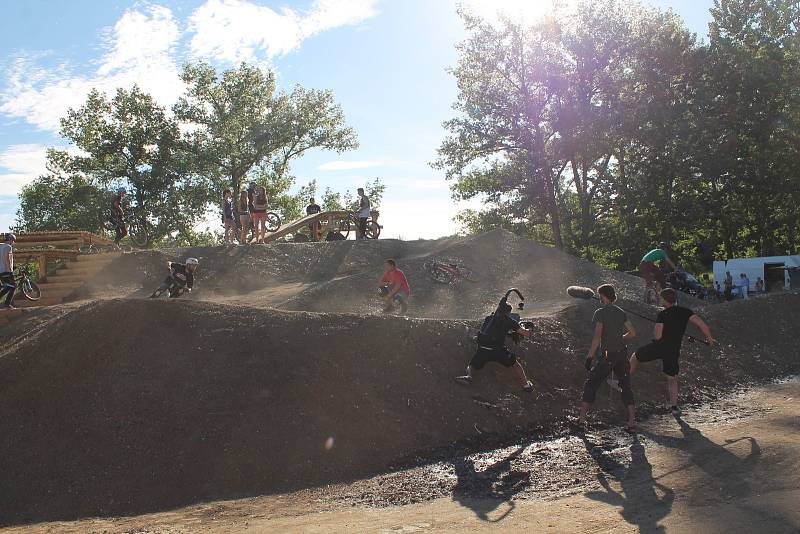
(141, 49)
(23, 163)
(236, 30)
(347, 165)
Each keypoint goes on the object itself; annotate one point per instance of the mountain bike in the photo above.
(446, 272)
(352, 221)
(175, 287)
(137, 224)
(28, 287)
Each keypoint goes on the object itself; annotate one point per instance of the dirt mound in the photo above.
(122, 406)
(341, 277)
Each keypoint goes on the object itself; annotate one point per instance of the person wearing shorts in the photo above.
(670, 326)
(364, 208)
(259, 213)
(491, 347)
(8, 285)
(395, 288)
(608, 353)
(244, 216)
(650, 271)
(315, 228)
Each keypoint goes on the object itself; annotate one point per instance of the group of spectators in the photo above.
(253, 213)
(743, 287)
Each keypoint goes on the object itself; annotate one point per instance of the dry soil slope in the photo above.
(340, 277)
(123, 406)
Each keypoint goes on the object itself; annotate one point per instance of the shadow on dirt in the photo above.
(485, 491)
(643, 500)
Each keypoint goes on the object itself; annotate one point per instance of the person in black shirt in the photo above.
(182, 274)
(118, 216)
(668, 337)
(315, 227)
(609, 352)
(491, 346)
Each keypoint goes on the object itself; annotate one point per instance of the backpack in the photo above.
(492, 333)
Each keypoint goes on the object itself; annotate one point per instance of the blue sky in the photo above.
(385, 60)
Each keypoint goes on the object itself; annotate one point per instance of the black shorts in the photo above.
(656, 351)
(501, 355)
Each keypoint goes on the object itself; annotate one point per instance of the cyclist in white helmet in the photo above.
(180, 275)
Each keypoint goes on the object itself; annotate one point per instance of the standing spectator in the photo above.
(244, 216)
(315, 227)
(363, 214)
(745, 285)
(7, 271)
(118, 216)
(251, 191)
(227, 217)
(259, 213)
(718, 291)
(728, 286)
(759, 285)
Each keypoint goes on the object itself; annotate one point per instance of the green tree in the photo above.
(53, 202)
(242, 128)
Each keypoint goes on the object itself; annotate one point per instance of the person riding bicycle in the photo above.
(118, 216)
(394, 287)
(181, 275)
(650, 271)
(9, 285)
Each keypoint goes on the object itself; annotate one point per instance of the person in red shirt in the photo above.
(394, 287)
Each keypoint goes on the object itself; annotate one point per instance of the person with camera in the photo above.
(394, 287)
(181, 275)
(608, 353)
(492, 345)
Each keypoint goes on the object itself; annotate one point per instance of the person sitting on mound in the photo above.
(608, 353)
(181, 274)
(394, 287)
(492, 348)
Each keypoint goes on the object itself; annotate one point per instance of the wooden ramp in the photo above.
(328, 219)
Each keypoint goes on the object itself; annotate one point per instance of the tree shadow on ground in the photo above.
(641, 504)
(485, 491)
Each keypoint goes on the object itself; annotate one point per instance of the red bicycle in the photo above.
(446, 272)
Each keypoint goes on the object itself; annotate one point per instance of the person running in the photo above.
(609, 353)
(363, 214)
(259, 213)
(227, 217)
(394, 287)
(118, 216)
(181, 274)
(492, 348)
(667, 339)
(9, 284)
(315, 228)
(244, 216)
(650, 271)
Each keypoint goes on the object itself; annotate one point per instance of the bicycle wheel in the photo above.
(439, 274)
(273, 222)
(373, 230)
(344, 227)
(137, 231)
(31, 290)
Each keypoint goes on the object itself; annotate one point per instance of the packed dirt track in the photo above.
(280, 374)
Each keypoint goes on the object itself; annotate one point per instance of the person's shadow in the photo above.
(641, 503)
(485, 491)
(715, 460)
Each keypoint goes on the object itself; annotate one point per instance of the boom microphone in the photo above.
(578, 292)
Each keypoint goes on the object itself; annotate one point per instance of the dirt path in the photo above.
(728, 467)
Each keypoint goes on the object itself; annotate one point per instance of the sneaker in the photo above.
(464, 379)
(614, 384)
(674, 410)
(528, 387)
(9, 306)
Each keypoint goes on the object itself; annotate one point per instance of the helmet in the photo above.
(121, 190)
(11, 237)
(663, 245)
(192, 261)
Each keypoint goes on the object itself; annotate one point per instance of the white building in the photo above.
(773, 270)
